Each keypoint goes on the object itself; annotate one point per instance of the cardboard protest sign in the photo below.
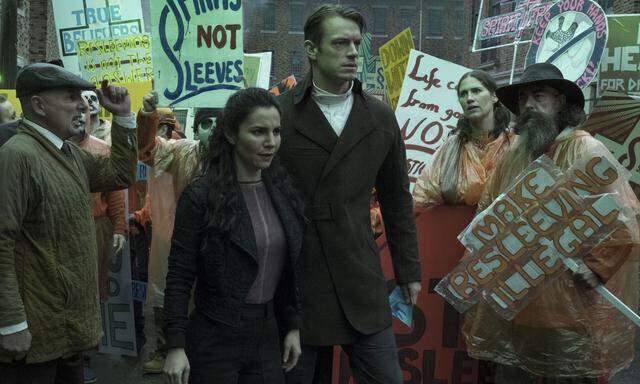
(284, 85)
(93, 20)
(257, 69)
(198, 52)
(394, 55)
(121, 60)
(621, 58)
(525, 14)
(428, 108)
(571, 35)
(517, 245)
(615, 121)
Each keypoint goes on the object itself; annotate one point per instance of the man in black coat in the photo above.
(337, 144)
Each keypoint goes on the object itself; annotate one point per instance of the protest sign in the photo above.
(118, 324)
(136, 93)
(525, 15)
(284, 85)
(432, 350)
(428, 107)
(621, 59)
(257, 69)
(198, 52)
(394, 55)
(120, 60)
(572, 36)
(517, 245)
(615, 121)
(93, 20)
(10, 94)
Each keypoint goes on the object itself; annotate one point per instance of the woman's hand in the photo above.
(176, 367)
(292, 350)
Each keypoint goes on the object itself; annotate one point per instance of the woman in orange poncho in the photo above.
(459, 169)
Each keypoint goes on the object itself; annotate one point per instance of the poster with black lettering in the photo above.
(517, 246)
(428, 107)
(118, 323)
(197, 51)
(93, 20)
(572, 36)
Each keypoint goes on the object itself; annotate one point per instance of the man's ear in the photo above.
(38, 105)
(310, 49)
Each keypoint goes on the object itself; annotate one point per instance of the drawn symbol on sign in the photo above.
(560, 36)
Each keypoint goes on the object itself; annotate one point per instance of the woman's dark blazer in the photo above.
(225, 266)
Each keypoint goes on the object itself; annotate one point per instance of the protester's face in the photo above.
(257, 141)
(62, 110)
(205, 128)
(540, 98)
(476, 100)
(92, 100)
(335, 58)
(7, 113)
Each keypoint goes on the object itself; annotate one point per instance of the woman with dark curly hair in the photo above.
(237, 234)
(458, 170)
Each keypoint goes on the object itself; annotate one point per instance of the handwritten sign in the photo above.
(516, 246)
(93, 20)
(122, 60)
(572, 36)
(198, 52)
(428, 107)
(394, 55)
(621, 59)
(525, 15)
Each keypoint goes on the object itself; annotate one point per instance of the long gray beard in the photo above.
(537, 133)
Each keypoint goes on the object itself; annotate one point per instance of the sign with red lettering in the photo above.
(428, 107)
(572, 36)
(517, 245)
(524, 16)
(93, 20)
(197, 52)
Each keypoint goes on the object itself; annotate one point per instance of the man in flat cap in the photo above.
(568, 334)
(49, 309)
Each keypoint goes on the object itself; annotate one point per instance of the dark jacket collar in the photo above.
(303, 89)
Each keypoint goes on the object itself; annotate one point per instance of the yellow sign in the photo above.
(394, 55)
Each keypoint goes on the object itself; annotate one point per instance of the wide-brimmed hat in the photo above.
(540, 73)
(38, 77)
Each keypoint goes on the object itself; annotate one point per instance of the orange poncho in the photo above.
(569, 330)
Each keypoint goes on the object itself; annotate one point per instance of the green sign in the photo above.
(621, 59)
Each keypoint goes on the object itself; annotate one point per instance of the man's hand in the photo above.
(118, 242)
(292, 350)
(17, 344)
(149, 102)
(586, 277)
(410, 291)
(114, 99)
(176, 367)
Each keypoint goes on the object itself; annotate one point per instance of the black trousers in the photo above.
(247, 354)
(58, 371)
(373, 360)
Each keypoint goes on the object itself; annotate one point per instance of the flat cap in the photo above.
(39, 77)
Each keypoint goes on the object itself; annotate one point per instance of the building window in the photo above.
(434, 22)
(380, 20)
(297, 17)
(406, 18)
(297, 63)
(459, 24)
(607, 6)
(490, 55)
(269, 16)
